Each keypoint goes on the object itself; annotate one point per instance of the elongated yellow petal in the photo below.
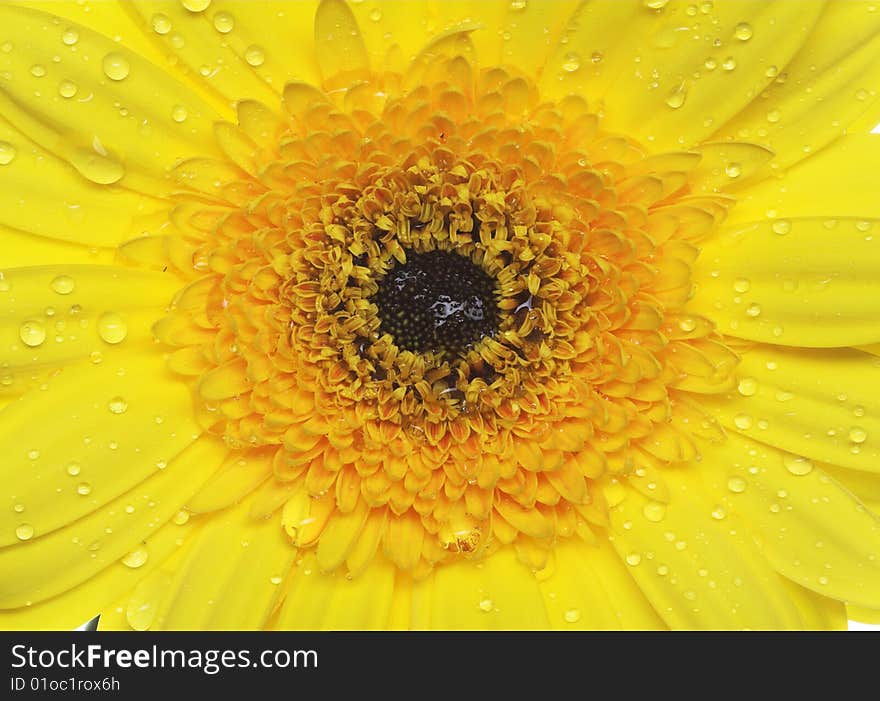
(830, 84)
(226, 49)
(105, 416)
(696, 570)
(793, 282)
(588, 588)
(106, 589)
(672, 77)
(498, 593)
(21, 249)
(47, 565)
(811, 529)
(52, 315)
(162, 120)
(839, 181)
(821, 404)
(43, 194)
(316, 601)
(246, 560)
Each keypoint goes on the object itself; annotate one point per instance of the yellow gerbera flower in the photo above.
(517, 314)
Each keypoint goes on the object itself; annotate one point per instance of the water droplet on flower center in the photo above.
(437, 301)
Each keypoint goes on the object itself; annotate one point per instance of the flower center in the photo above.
(437, 301)
(443, 318)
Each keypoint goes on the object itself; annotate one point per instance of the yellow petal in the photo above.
(496, 593)
(226, 50)
(821, 404)
(239, 475)
(830, 83)
(22, 249)
(54, 315)
(74, 607)
(316, 601)
(588, 588)
(47, 565)
(811, 529)
(845, 174)
(698, 572)
(339, 46)
(231, 577)
(793, 282)
(43, 194)
(127, 411)
(105, 145)
(657, 72)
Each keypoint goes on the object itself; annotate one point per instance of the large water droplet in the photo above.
(858, 435)
(797, 465)
(70, 36)
(654, 511)
(32, 333)
(24, 531)
(116, 66)
(743, 31)
(7, 153)
(224, 22)
(117, 405)
(67, 89)
(572, 616)
(196, 5)
(112, 327)
(100, 168)
(571, 62)
(161, 23)
(135, 558)
(63, 284)
(677, 97)
(254, 55)
(737, 485)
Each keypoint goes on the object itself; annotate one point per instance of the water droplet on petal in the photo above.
(654, 511)
(858, 435)
(196, 5)
(743, 31)
(67, 89)
(24, 531)
(781, 227)
(160, 23)
(737, 485)
(73, 469)
(70, 36)
(747, 386)
(84, 488)
(100, 168)
(254, 55)
(486, 605)
(572, 616)
(32, 333)
(135, 558)
(797, 465)
(742, 421)
(633, 559)
(179, 113)
(677, 97)
(7, 153)
(117, 405)
(112, 328)
(224, 22)
(63, 284)
(116, 66)
(571, 62)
